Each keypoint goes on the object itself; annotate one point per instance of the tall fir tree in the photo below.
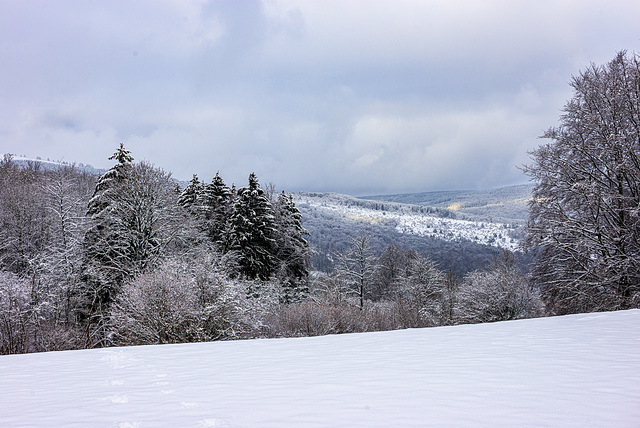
(217, 202)
(250, 232)
(108, 181)
(136, 221)
(104, 242)
(191, 194)
(292, 249)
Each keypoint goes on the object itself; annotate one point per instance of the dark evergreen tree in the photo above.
(108, 181)
(250, 232)
(217, 204)
(191, 194)
(104, 243)
(135, 220)
(292, 249)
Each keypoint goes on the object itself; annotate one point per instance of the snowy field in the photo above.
(572, 371)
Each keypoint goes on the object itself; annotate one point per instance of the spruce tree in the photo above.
(191, 194)
(217, 202)
(136, 221)
(250, 231)
(292, 249)
(104, 242)
(108, 181)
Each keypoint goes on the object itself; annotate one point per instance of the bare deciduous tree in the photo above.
(356, 265)
(420, 293)
(584, 227)
(500, 293)
(182, 301)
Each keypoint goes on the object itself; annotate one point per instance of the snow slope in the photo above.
(572, 371)
(408, 222)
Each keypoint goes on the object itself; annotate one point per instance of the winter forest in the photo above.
(130, 257)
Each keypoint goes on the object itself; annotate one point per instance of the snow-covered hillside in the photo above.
(572, 371)
(408, 220)
(507, 204)
(49, 164)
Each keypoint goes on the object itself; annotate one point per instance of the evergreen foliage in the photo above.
(135, 220)
(217, 207)
(292, 249)
(105, 240)
(191, 194)
(251, 232)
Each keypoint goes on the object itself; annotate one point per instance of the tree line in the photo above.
(130, 257)
(77, 253)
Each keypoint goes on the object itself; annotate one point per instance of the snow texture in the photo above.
(571, 371)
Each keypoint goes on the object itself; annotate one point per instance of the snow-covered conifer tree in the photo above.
(217, 202)
(108, 181)
(292, 249)
(191, 194)
(250, 231)
(138, 224)
(105, 240)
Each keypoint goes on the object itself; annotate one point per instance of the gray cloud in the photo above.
(352, 96)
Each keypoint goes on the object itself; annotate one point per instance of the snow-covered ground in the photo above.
(572, 371)
(487, 233)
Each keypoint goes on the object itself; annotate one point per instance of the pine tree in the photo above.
(292, 249)
(108, 181)
(104, 245)
(191, 194)
(139, 222)
(103, 240)
(250, 232)
(217, 203)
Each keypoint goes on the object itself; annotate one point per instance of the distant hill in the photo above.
(25, 162)
(459, 230)
(38, 162)
(456, 240)
(506, 204)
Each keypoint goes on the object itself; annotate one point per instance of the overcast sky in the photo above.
(349, 96)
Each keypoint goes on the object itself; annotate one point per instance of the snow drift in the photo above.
(578, 370)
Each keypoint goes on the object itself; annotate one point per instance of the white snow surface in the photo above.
(572, 371)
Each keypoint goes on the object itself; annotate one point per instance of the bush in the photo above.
(331, 309)
(179, 302)
(498, 294)
(16, 326)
